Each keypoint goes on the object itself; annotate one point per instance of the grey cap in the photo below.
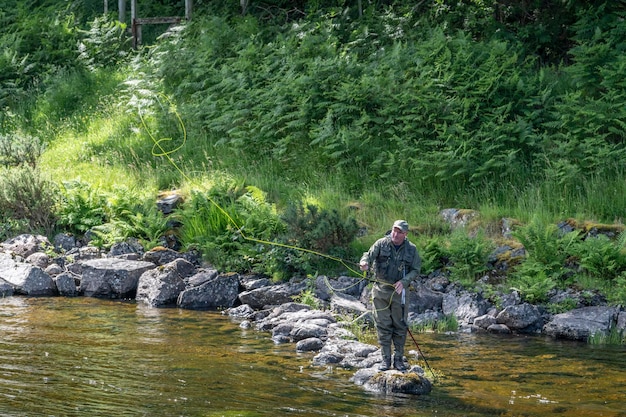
(402, 225)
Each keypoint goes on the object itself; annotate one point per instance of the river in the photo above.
(90, 357)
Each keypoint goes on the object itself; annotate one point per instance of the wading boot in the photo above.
(385, 365)
(398, 363)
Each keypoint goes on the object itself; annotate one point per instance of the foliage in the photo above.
(20, 149)
(614, 337)
(562, 306)
(533, 283)
(144, 222)
(228, 224)
(406, 108)
(446, 324)
(601, 258)
(468, 256)
(547, 254)
(81, 207)
(104, 44)
(434, 255)
(27, 195)
(320, 230)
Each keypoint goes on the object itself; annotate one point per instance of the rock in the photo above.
(161, 255)
(243, 311)
(218, 292)
(458, 218)
(254, 282)
(54, 269)
(621, 322)
(347, 305)
(425, 299)
(112, 277)
(520, 317)
(25, 279)
(272, 295)
(25, 245)
(498, 328)
(130, 246)
(309, 345)
(484, 321)
(395, 382)
(66, 285)
(64, 242)
(169, 202)
(39, 259)
(466, 307)
(325, 287)
(160, 287)
(6, 289)
(582, 323)
(201, 277)
(348, 354)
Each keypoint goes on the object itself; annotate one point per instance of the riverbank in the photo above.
(164, 278)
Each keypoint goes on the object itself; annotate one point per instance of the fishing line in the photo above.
(157, 145)
(166, 154)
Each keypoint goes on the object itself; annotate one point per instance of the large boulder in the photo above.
(521, 317)
(161, 286)
(24, 278)
(272, 295)
(112, 277)
(25, 245)
(217, 292)
(393, 382)
(582, 323)
(465, 307)
(66, 284)
(325, 286)
(6, 289)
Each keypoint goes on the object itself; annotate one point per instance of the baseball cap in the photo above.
(402, 225)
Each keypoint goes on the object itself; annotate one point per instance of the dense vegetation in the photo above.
(300, 129)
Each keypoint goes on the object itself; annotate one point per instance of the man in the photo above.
(395, 263)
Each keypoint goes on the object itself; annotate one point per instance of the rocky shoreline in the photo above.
(32, 266)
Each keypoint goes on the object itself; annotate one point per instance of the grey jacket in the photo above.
(391, 264)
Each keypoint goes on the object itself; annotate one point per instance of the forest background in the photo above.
(297, 131)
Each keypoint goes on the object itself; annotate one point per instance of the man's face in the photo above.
(398, 236)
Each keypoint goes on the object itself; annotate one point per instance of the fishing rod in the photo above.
(413, 338)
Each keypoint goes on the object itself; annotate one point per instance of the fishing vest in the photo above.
(391, 264)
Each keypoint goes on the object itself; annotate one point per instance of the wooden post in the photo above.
(188, 9)
(121, 7)
(106, 6)
(135, 27)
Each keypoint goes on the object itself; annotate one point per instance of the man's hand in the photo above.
(399, 287)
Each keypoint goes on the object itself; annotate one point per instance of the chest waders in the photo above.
(391, 326)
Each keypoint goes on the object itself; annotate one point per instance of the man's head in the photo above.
(399, 231)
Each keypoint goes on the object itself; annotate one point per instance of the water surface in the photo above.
(90, 357)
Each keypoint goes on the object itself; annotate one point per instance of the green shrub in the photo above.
(27, 195)
(533, 283)
(547, 252)
(468, 256)
(81, 207)
(601, 258)
(20, 149)
(320, 230)
(105, 44)
(435, 255)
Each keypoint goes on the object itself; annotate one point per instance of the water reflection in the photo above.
(82, 356)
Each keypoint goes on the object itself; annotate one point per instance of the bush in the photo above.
(468, 256)
(26, 195)
(81, 207)
(19, 149)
